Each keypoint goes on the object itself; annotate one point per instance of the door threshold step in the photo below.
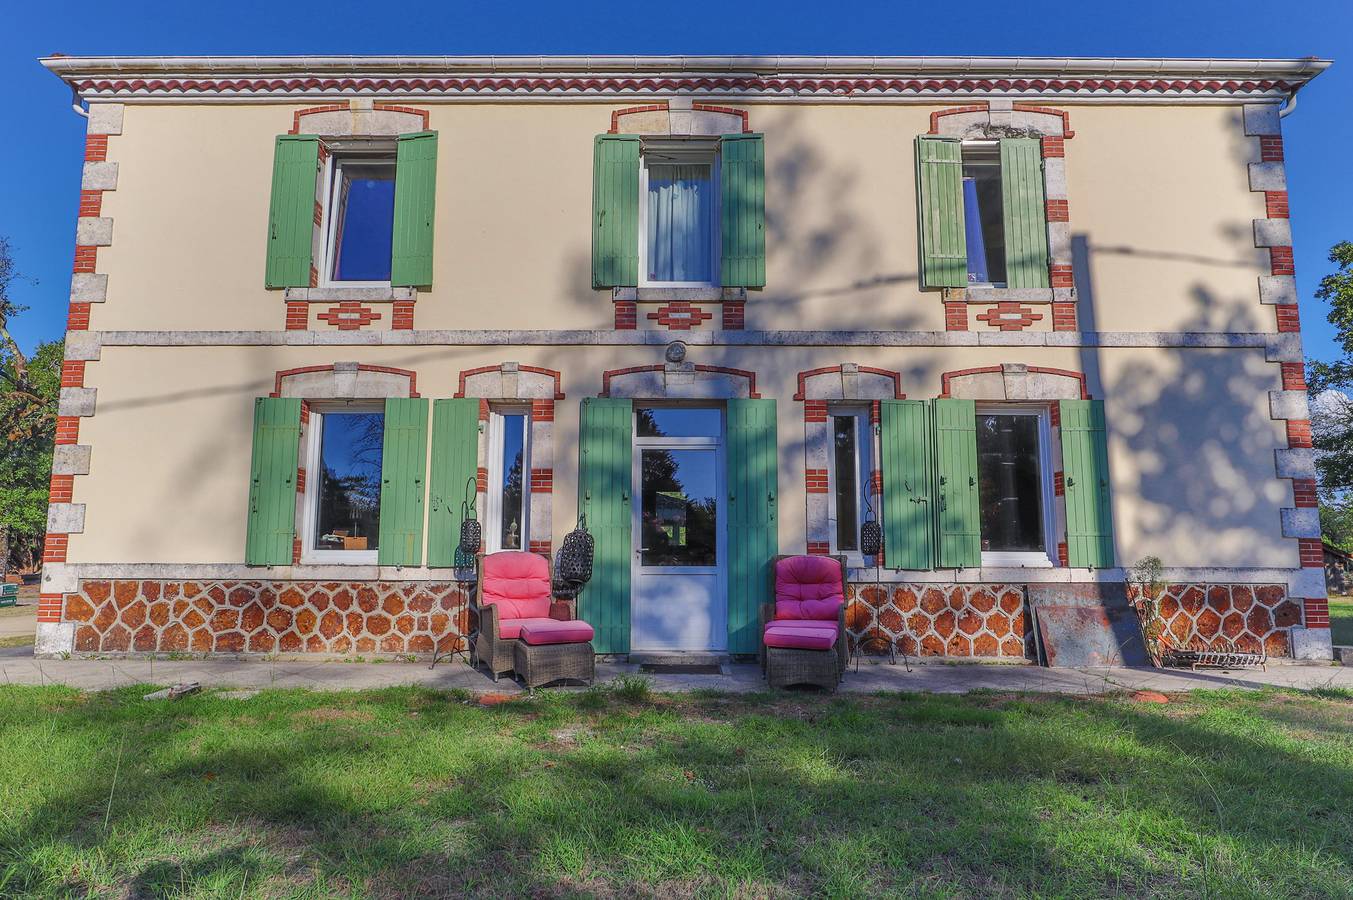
(681, 663)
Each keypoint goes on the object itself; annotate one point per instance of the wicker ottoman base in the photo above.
(785, 667)
(541, 664)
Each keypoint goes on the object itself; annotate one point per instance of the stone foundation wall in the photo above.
(986, 620)
(267, 617)
(1249, 616)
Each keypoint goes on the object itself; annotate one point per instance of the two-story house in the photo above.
(1037, 317)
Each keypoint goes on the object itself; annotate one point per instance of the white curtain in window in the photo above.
(679, 207)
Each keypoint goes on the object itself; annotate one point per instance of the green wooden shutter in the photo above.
(1085, 461)
(1026, 222)
(272, 481)
(908, 496)
(957, 519)
(403, 469)
(415, 209)
(753, 523)
(455, 464)
(742, 176)
(291, 214)
(615, 210)
(605, 448)
(939, 203)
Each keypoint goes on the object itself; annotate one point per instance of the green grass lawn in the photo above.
(1341, 620)
(408, 792)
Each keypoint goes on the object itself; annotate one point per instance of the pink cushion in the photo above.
(804, 635)
(510, 629)
(808, 587)
(519, 583)
(552, 631)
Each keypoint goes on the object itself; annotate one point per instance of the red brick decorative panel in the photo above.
(1009, 316)
(1249, 616)
(984, 620)
(349, 316)
(626, 315)
(680, 316)
(267, 617)
(1063, 276)
(734, 315)
(955, 317)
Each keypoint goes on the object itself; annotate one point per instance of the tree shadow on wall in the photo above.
(1195, 420)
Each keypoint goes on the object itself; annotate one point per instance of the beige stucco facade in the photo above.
(1177, 321)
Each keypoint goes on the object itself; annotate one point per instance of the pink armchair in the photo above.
(803, 632)
(522, 629)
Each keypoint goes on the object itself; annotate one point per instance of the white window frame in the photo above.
(1030, 559)
(865, 454)
(493, 501)
(378, 154)
(314, 471)
(982, 144)
(691, 152)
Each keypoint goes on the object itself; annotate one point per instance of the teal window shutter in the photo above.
(1025, 213)
(742, 178)
(403, 471)
(605, 454)
(753, 521)
(455, 465)
(958, 525)
(415, 209)
(908, 496)
(272, 481)
(615, 210)
(939, 204)
(291, 213)
(1085, 462)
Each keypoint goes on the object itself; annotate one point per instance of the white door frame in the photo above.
(639, 572)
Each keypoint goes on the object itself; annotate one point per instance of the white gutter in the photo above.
(69, 67)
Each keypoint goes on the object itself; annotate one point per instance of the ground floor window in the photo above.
(509, 482)
(851, 463)
(1014, 480)
(341, 520)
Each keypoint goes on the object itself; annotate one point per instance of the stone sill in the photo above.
(1011, 295)
(689, 295)
(379, 294)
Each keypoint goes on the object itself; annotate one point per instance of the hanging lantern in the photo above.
(871, 538)
(573, 562)
(471, 535)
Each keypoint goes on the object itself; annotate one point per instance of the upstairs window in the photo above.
(981, 213)
(678, 234)
(679, 212)
(361, 219)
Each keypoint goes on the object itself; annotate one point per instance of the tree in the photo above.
(29, 390)
(1332, 406)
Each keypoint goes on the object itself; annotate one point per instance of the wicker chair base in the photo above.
(495, 654)
(537, 665)
(785, 667)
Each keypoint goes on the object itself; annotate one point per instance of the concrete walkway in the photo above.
(17, 666)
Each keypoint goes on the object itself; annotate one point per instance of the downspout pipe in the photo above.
(77, 104)
(1289, 105)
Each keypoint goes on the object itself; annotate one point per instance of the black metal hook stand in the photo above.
(467, 574)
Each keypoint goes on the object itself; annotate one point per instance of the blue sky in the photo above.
(40, 153)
